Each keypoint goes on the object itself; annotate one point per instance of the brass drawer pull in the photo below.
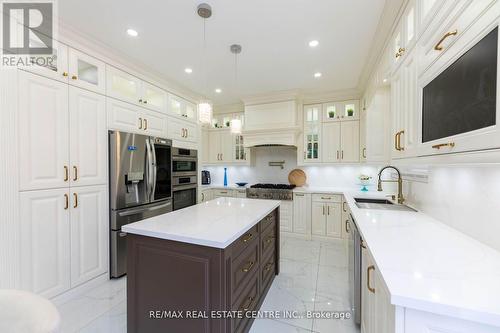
(76, 200)
(145, 124)
(269, 239)
(66, 173)
(65, 74)
(347, 226)
(75, 169)
(343, 207)
(267, 268)
(326, 198)
(364, 152)
(368, 284)
(441, 145)
(140, 123)
(438, 46)
(74, 77)
(66, 202)
(247, 238)
(396, 141)
(249, 304)
(248, 268)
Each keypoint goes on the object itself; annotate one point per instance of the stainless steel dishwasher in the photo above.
(354, 268)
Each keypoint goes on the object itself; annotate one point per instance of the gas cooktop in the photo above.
(274, 186)
(271, 191)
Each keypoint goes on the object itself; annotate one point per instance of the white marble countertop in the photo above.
(427, 265)
(215, 223)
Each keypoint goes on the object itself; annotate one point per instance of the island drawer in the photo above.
(244, 241)
(244, 266)
(247, 301)
(268, 240)
(267, 221)
(327, 197)
(267, 270)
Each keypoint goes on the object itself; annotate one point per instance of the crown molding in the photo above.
(69, 35)
(329, 96)
(272, 97)
(229, 108)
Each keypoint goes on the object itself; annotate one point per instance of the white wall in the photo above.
(261, 172)
(466, 198)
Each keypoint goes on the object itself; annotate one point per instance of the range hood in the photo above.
(271, 124)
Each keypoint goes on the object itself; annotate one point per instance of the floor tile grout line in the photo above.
(316, 288)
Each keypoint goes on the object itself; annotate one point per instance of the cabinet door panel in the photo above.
(301, 213)
(334, 220)
(86, 72)
(286, 216)
(124, 117)
(191, 132)
(154, 123)
(89, 234)
(57, 69)
(88, 137)
(154, 98)
(214, 148)
(43, 132)
(45, 242)
(349, 140)
(318, 225)
(226, 146)
(122, 86)
(331, 142)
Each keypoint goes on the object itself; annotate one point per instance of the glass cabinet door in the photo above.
(239, 149)
(55, 68)
(190, 110)
(123, 86)
(312, 132)
(175, 105)
(86, 71)
(153, 97)
(350, 110)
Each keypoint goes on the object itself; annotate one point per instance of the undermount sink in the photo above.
(384, 204)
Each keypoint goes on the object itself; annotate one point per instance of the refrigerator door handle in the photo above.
(153, 168)
(143, 209)
(149, 175)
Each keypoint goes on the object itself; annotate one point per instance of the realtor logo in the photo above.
(33, 31)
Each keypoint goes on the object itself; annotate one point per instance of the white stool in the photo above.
(25, 312)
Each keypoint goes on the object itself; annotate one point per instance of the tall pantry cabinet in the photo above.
(62, 182)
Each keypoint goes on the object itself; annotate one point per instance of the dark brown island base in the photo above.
(178, 287)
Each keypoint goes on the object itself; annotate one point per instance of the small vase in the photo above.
(225, 176)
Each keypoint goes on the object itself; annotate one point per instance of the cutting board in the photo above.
(297, 177)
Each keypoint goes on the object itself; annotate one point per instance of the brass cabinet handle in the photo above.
(74, 77)
(438, 46)
(396, 141)
(328, 209)
(343, 207)
(299, 195)
(66, 201)
(145, 124)
(65, 74)
(326, 198)
(269, 239)
(140, 123)
(76, 200)
(145, 102)
(66, 173)
(247, 238)
(249, 304)
(347, 226)
(400, 52)
(448, 144)
(362, 244)
(368, 284)
(140, 100)
(268, 266)
(248, 268)
(399, 140)
(323, 210)
(75, 170)
(338, 154)
(203, 197)
(187, 132)
(342, 155)
(364, 153)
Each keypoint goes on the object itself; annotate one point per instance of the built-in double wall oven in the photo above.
(184, 177)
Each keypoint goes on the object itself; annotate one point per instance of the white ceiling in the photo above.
(274, 35)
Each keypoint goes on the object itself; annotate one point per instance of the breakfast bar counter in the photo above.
(202, 268)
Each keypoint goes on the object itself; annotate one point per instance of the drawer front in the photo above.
(268, 270)
(247, 301)
(327, 197)
(224, 193)
(267, 221)
(244, 266)
(268, 240)
(244, 241)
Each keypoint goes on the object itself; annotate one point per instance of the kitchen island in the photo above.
(202, 268)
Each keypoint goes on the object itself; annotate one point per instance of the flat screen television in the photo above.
(463, 97)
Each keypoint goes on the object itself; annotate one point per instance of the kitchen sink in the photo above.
(383, 204)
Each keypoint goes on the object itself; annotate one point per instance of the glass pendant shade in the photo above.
(205, 113)
(236, 126)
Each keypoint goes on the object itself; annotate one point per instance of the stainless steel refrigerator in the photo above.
(140, 186)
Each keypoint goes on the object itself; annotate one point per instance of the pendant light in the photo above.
(204, 10)
(236, 125)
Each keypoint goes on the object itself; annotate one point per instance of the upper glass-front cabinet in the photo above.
(153, 97)
(312, 132)
(240, 154)
(122, 85)
(181, 107)
(86, 72)
(340, 111)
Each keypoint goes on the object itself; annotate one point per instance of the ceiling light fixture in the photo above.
(205, 107)
(236, 124)
(188, 70)
(317, 75)
(132, 32)
(218, 90)
(313, 43)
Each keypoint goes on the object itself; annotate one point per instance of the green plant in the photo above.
(228, 123)
(331, 114)
(350, 112)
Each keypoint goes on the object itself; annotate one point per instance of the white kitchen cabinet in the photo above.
(318, 219)
(312, 133)
(286, 216)
(362, 133)
(130, 118)
(88, 138)
(45, 241)
(181, 107)
(405, 35)
(205, 146)
(220, 146)
(331, 142)
(122, 85)
(333, 220)
(153, 97)
(182, 130)
(89, 233)
(206, 195)
(43, 132)
(223, 193)
(57, 68)
(86, 72)
(375, 128)
(349, 142)
(301, 213)
(341, 111)
(240, 153)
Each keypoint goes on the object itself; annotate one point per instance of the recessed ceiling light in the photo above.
(317, 75)
(313, 43)
(188, 70)
(218, 90)
(132, 32)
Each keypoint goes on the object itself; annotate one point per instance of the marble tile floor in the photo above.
(313, 277)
